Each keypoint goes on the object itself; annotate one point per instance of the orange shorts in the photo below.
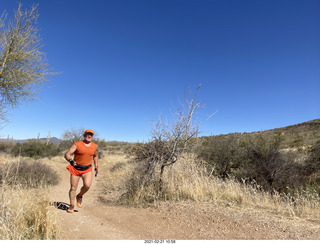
(76, 172)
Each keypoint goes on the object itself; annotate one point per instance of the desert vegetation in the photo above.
(25, 213)
(271, 170)
(274, 163)
(260, 170)
(33, 148)
(244, 170)
(190, 179)
(260, 160)
(275, 160)
(23, 66)
(277, 170)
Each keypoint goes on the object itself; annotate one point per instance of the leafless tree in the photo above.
(23, 66)
(169, 140)
(73, 135)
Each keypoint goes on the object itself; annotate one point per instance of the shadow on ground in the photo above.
(61, 205)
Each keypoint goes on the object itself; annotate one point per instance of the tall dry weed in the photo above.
(189, 179)
(25, 213)
(119, 168)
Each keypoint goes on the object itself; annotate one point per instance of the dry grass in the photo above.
(119, 170)
(25, 213)
(189, 180)
(28, 174)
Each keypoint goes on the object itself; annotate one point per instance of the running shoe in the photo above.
(70, 209)
(79, 201)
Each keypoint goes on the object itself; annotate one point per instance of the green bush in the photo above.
(64, 145)
(35, 149)
(6, 147)
(256, 158)
(313, 161)
(312, 168)
(272, 169)
(28, 174)
(223, 154)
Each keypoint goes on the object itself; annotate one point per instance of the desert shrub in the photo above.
(25, 214)
(114, 147)
(313, 161)
(151, 158)
(168, 142)
(157, 150)
(64, 145)
(101, 146)
(224, 154)
(114, 183)
(6, 147)
(189, 179)
(28, 174)
(254, 158)
(35, 149)
(117, 167)
(312, 168)
(270, 168)
(142, 185)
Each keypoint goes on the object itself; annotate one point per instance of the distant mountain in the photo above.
(53, 140)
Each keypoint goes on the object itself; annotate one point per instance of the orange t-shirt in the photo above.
(84, 155)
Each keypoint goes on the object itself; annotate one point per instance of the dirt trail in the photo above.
(179, 221)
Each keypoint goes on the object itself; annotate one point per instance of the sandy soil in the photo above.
(97, 220)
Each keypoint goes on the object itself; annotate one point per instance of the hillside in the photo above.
(302, 134)
(306, 133)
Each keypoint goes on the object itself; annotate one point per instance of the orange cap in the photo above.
(88, 131)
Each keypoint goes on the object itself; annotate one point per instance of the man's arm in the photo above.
(71, 151)
(95, 160)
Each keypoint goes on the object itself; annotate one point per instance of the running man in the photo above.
(85, 152)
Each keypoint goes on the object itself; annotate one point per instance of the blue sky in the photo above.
(123, 63)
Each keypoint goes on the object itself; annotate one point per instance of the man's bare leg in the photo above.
(74, 180)
(87, 181)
